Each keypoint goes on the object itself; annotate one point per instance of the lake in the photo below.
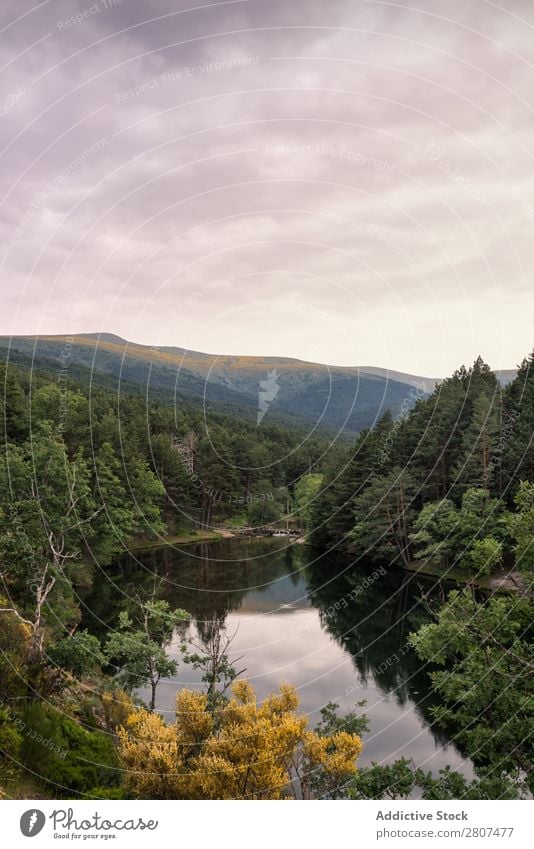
(338, 632)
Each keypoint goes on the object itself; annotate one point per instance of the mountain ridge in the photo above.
(341, 398)
(231, 359)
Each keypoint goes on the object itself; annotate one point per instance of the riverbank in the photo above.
(191, 537)
(185, 538)
(500, 582)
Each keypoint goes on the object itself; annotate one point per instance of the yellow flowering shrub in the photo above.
(243, 751)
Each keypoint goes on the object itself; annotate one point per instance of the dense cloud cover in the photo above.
(347, 182)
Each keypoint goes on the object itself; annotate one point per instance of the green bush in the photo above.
(61, 752)
(10, 737)
(80, 654)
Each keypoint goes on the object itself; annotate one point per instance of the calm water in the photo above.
(335, 631)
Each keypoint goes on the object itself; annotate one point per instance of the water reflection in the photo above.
(338, 633)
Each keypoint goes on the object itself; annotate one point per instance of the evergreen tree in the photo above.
(333, 514)
(480, 445)
(13, 406)
(384, 516)
(517, 440)
(116, 522)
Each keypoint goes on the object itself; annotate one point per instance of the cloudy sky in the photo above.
(345, 181)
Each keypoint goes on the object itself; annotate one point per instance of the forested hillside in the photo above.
(306, 394)
(452, 481)
(236, 471)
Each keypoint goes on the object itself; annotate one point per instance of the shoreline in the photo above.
(186, 538)
(501, 582)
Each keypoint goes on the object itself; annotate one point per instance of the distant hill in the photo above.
(426, 384)
(506, 375)
(280, 388)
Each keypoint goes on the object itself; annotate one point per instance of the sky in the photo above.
(343, 181)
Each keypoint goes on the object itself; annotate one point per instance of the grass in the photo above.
(184, 538)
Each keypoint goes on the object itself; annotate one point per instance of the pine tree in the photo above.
(13, 406)
(333, 515)
(517, 440)
(480, 445)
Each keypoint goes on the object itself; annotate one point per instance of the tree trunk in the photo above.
(41, 594)
(153, 686)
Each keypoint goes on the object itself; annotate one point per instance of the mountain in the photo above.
(426, 384)
(506, 375)
(264, 388)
